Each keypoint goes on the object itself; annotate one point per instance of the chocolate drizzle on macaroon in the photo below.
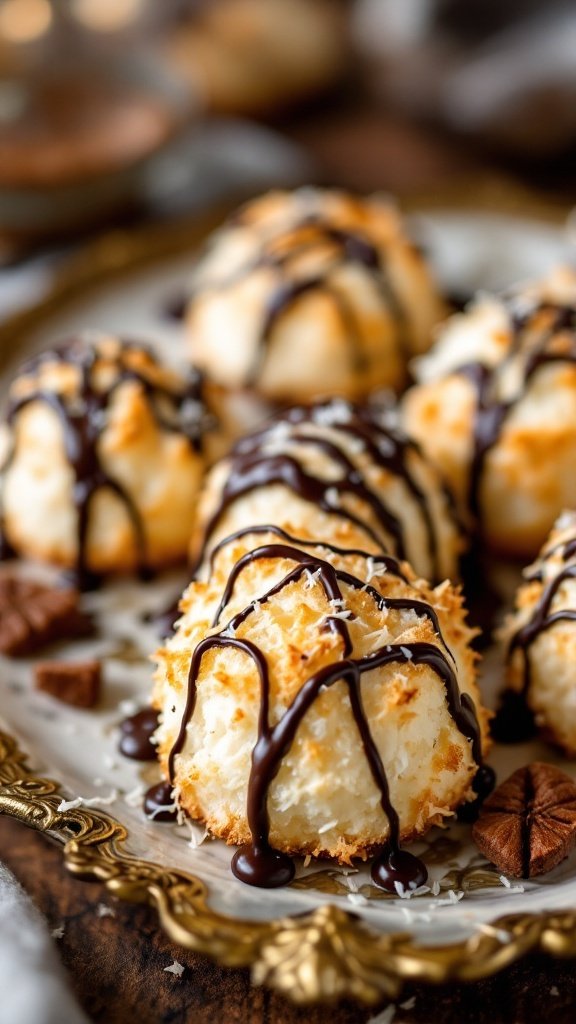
(258, 863)
(334, 247)
(515, 721)
(554, 342)
(83, 418)
(276, 454)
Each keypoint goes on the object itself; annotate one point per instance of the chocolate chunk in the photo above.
(528, 824)
(33, 615)
(73, 682)
(136, 735)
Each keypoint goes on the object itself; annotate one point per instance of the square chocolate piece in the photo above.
(77, 683)
(33, 616)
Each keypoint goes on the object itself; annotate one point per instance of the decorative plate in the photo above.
(330, 933)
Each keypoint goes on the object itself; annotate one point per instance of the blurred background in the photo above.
(115, 112)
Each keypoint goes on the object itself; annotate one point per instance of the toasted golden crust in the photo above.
(139, 445)
(409, 488)
(527, 476)
(323, 801)
(349, 334)
(550, 683)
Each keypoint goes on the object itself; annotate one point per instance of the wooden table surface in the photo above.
(116, 964)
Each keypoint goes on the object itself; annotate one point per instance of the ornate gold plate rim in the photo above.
(321, 956)
(326, 954)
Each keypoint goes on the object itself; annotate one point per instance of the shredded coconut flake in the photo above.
(128, 707)
(57, 933)
(332, 497)
(505, 881)
(420, 890)
(451, 900)
(311, 578)
(91, 801)
(357, 899)
(158, 810)
(175, 968)
(337, 411)
(195, 840)
(386, 1017)
(554, 991)
(70, 805)
(409, 1004)
(407, 653)
(104, 911)
(327, 826)
(345, 613)
(134, 797)
(497, 933)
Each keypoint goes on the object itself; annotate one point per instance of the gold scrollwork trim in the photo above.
(321, 956)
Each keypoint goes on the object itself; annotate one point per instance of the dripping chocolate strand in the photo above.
(566, 549)
(253, 471)
(390, 563)
(258, 863)
(514, 721)
(389, 450)
(351, 248)
(252, 468)
(492, 413)
(541, 620)
(83, 420)
(330, 578)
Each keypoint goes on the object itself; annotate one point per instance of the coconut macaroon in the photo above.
(317, 700)
(495, 408)
(541, 637)
(308, 293)
(105, 449)
(337, 472)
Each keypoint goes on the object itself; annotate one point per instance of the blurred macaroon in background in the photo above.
(115, 110)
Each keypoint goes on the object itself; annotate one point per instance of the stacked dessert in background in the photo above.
(318, 694)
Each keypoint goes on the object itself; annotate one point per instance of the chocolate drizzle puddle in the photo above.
(258, 863)
(83, 419)
(302, 237)
(514, 722)
(158, 803)
(253, 467)
(136, 732)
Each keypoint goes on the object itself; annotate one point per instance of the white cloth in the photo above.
(33, 987)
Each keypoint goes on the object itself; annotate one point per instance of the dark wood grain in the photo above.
(116, 966)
